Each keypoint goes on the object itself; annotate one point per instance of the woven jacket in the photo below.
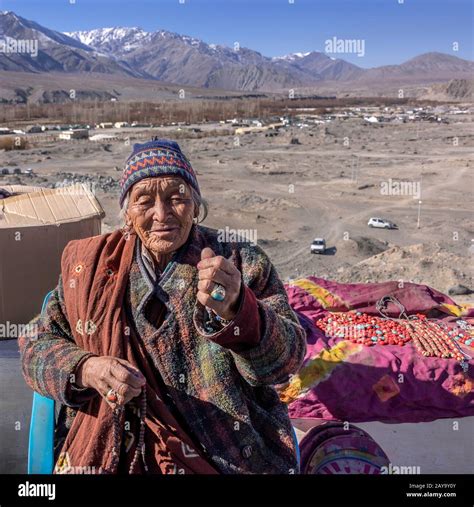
(225, 394)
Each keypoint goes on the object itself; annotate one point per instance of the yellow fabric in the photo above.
(456, 310)
(318, 369)
(327, 299)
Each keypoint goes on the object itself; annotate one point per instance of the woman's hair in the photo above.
(199, 202)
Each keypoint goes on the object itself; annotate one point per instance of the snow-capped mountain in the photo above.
(51, 51)
(111, 40)
(12, 25)
(121, 41)
(179, 58)
(291, 57)
(185, 60)
(327, 67)
(321, 65)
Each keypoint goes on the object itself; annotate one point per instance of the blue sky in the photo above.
(392, 32)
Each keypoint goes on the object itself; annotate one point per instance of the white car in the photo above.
(318, 245)
(381, 223)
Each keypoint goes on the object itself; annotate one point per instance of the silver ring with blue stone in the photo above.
(218, 293)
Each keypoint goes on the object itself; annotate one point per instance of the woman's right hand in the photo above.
(103, 373)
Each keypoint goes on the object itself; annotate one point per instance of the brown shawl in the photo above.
(94, 293)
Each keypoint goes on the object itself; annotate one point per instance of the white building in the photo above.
(68, 135)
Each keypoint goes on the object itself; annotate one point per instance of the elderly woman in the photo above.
(162, 343)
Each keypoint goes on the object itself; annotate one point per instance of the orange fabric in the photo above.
(94, 306)
(90, 306)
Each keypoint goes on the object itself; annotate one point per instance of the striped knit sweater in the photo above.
(226, 393)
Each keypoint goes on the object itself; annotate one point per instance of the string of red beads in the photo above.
(429, 338)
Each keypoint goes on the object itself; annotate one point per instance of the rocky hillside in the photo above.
(456, 89)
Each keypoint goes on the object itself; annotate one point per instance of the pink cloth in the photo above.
(343, 381)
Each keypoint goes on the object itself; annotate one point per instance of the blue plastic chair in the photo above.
(41, 440)
(298, 454)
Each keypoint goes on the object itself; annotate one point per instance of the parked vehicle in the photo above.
(35, 129)
(381, 223)
(318, 246)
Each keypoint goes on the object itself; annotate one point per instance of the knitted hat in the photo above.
(158, 157)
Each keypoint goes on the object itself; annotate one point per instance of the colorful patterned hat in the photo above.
(158, 157)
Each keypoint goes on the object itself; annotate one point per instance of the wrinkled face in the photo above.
(161, 210)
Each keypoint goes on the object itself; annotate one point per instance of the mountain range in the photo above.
(183, 60)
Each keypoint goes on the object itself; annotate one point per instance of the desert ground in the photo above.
(326, 184)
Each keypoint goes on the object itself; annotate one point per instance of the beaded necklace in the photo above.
(140, 449)
(431, 339)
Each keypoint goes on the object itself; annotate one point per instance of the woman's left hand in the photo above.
(215, 269)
